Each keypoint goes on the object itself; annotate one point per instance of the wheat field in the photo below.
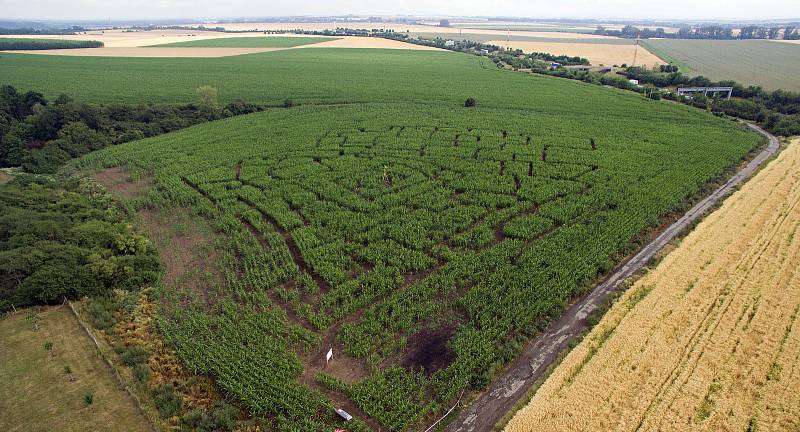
(708, 340)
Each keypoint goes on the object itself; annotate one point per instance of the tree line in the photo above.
(40, 135)
(790, 32)
(14, 44)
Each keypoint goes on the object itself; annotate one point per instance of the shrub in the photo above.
(142, 372)
(67, 369)
(224, 416)
(133, 355)
(48, 345)
(102, 312)
(88, 398)
(167, 400)
(470, 102)
(288, 103)
(197, 419)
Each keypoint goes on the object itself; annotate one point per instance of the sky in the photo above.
(208, 9)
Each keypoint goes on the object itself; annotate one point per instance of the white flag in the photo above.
(329, 355)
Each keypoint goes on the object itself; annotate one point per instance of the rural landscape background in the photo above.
(399, 220)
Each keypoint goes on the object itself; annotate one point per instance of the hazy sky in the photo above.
(637, 9)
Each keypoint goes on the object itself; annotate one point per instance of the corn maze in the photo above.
(423, 246)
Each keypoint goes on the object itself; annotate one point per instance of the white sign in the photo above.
(329, 355)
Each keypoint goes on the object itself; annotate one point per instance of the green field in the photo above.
(772, 65)
(421, 240)
(45, 44)
(250, 42)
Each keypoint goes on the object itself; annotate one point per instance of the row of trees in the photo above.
(41, 135)
(704, 32)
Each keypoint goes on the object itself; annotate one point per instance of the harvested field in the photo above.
(226, 47)
(708, 340)
(411, 28)
(371, 42)
(249, 42)
(131, 39)
(766, 63)
(37, 393)
(597, 53)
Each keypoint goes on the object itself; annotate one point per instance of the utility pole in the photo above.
(635, 50)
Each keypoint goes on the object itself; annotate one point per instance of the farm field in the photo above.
(417, 238)
(249, 42)
(708, 340)
(605, 54)
(37, 393)
(770, 64)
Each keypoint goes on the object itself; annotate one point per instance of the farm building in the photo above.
(449, 43)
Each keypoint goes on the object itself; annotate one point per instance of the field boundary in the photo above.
(506, 391)
(117, 376)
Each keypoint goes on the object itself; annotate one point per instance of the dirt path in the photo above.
(531, 365)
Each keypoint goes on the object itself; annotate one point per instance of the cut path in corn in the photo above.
(539, 354)
(709, 340)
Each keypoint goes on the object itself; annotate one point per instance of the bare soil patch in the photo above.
(4, 178)
(185, 244)
(118, 181)
(428, 349)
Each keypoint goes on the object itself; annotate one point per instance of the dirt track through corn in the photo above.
(708, 340)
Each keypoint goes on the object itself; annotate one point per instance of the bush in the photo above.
(134, 355)
(167, 400)
(470, 102)
(197, 419)
(67, 369)
(142, 372)
(288, 103)
(102, 312)
(88, 398)
(224, 416)
(48, 345)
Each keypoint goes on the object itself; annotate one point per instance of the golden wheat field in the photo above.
(709, 340)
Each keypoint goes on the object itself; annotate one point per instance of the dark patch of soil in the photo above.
(428, 349)
(118, 182)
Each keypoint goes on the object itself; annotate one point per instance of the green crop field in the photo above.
(772, 65)
(423, 241)
(250, 42)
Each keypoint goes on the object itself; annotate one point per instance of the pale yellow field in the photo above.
(412, 28)
(123, 39)
(139, 44)
(707, 341)
(597, 53)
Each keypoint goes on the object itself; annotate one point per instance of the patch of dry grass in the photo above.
(38, 395)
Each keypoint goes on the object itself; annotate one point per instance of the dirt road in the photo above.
(509, 388)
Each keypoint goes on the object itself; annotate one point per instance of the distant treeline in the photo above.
(45, 44)
(36, 31)
(40, 135)
(704, 32)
